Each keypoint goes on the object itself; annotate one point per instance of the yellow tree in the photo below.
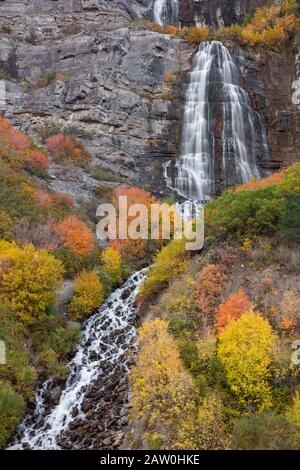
(161, 388)
(112, 265)
(88, 295)
(245, 351)
(28, 280)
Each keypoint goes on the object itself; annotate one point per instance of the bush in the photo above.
(76, 235)
(266, 431)
(29, 279)
(88, 295)
(12, 407)
(196, 35)
(67, 149)
(169, 263)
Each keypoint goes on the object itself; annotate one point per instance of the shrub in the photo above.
(67, 149)
(197, 34)
(76, 235)
(28, 280)
(39, 159)
(12, 407)
(207, 429)
(266, 431)
(245, 351)
(208, 289)
(169, 263)
(88, 295)
(48, 361)
(231, 309)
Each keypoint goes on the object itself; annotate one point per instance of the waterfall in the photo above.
(108, 336)
(165, 12)
(222, 137)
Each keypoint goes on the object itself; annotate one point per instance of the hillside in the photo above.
(135, 342)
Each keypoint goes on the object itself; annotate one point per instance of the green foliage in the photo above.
(12, 407)
(291, 217)
(266, 431)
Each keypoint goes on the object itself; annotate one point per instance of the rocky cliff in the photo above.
(89, 65)
(216, 13)
(112, 83)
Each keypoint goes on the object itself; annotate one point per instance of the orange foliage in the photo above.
(289, 319)
(39, 159)
(134, 251)
(65, 148)
(231, 309)
(254, 184)
(208, 289)
(76, 235)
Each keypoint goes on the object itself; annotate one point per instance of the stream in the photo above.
(93, 407)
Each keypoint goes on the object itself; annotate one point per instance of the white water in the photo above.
(213, 71)
(113, 317)
(165, 12)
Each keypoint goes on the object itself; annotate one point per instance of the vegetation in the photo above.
(88, 295)
(242, 384)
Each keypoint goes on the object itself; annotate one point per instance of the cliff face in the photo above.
(216, 13)
(112, 83)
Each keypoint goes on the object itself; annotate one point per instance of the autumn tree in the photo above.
(112, 265)
(245, 351)
(161, 388)
(76, 235)
(231, 309)
(88, 295)
(28, 280)
(205, 429)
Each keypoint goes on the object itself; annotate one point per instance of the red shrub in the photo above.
(231, 309)
(39, 159)
(76, 235)
(65, 148)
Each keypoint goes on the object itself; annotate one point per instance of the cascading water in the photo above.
(216, 105)
(99, 367)
(165, 12)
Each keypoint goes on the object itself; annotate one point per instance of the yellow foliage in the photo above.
(112, 265)
(293, 414)
(168, 264)
(161, 388)
(245, 351)
(88, 295)
(197, 34)
(28, 280)
(205, 430)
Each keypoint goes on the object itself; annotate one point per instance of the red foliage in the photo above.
(44, 199)
(76, 235)
(236, 304)
(208, 289)
(18, 140)
(39, 159)
(65, 148)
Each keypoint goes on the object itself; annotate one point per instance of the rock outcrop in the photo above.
(115, 83)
